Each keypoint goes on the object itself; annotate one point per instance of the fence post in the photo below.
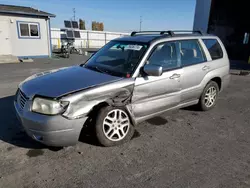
(87, 39)
(105, 35)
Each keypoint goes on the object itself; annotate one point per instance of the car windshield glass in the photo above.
(117, 58)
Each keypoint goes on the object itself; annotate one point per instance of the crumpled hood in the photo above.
(63, 81)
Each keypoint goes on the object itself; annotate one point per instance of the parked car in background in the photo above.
(129, 80)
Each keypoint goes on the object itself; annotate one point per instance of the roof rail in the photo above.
(150, 32)
(189, 31)
(171, 33)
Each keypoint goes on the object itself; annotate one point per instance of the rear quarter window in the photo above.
(214, 48)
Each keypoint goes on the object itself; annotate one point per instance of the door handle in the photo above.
(175, 76)
(205, 68)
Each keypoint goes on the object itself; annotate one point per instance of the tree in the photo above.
(97, 26)
(101, 27)
(82, 24)
(94, 26)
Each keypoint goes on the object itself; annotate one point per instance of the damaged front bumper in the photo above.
(49, 130)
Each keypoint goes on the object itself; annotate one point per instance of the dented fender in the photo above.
(115, 94)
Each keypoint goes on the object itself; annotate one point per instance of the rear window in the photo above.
(214, 48)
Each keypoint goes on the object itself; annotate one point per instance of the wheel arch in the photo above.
(217, 80)
(103, 104)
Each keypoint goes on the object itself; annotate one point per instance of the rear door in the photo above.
(195, 67)
(153, 94)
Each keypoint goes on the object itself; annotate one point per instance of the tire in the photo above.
(108, 123)
(206, 103)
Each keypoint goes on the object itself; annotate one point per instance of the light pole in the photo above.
(74, 12)
(140, 22)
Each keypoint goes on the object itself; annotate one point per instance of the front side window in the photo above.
(165, 56)
(118, 58)
(28, 30)
(191, 52)
(214, 48)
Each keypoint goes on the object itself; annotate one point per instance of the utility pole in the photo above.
(140, 22)
(74, 12)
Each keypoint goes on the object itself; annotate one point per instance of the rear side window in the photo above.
(214, 48)
(191, 52)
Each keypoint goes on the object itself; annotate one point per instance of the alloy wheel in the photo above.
(210, 96)
(116, 125)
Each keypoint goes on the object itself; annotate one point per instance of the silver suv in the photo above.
(129, 80)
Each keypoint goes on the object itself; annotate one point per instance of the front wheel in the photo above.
(113, 126)
(209, 96)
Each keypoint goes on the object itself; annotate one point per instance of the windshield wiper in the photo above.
(96, 68)
(100, 70)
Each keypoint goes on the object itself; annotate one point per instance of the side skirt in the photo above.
(183, 105)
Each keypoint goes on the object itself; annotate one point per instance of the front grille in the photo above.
(21, 99)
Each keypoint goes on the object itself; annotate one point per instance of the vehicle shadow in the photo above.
(10, 128)
(12, 132)
(157, 121)
(194, 108)
(88, 133)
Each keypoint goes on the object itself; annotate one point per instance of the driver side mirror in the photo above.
(153, 70)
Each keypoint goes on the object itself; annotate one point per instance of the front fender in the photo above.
(115, 94)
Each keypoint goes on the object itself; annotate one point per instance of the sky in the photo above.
(119, 15)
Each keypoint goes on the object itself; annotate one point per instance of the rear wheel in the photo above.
(113, 126)
(209, 96)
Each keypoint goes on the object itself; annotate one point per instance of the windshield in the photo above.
(118, 58)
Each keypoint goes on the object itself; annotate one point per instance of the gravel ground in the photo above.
(182, 148)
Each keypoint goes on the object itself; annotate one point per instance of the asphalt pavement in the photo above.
(184, 148)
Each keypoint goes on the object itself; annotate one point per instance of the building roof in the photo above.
(12, 9)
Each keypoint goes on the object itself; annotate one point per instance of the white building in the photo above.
(24, 32)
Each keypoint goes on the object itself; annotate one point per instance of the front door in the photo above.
(153, 94)
(5, 46)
